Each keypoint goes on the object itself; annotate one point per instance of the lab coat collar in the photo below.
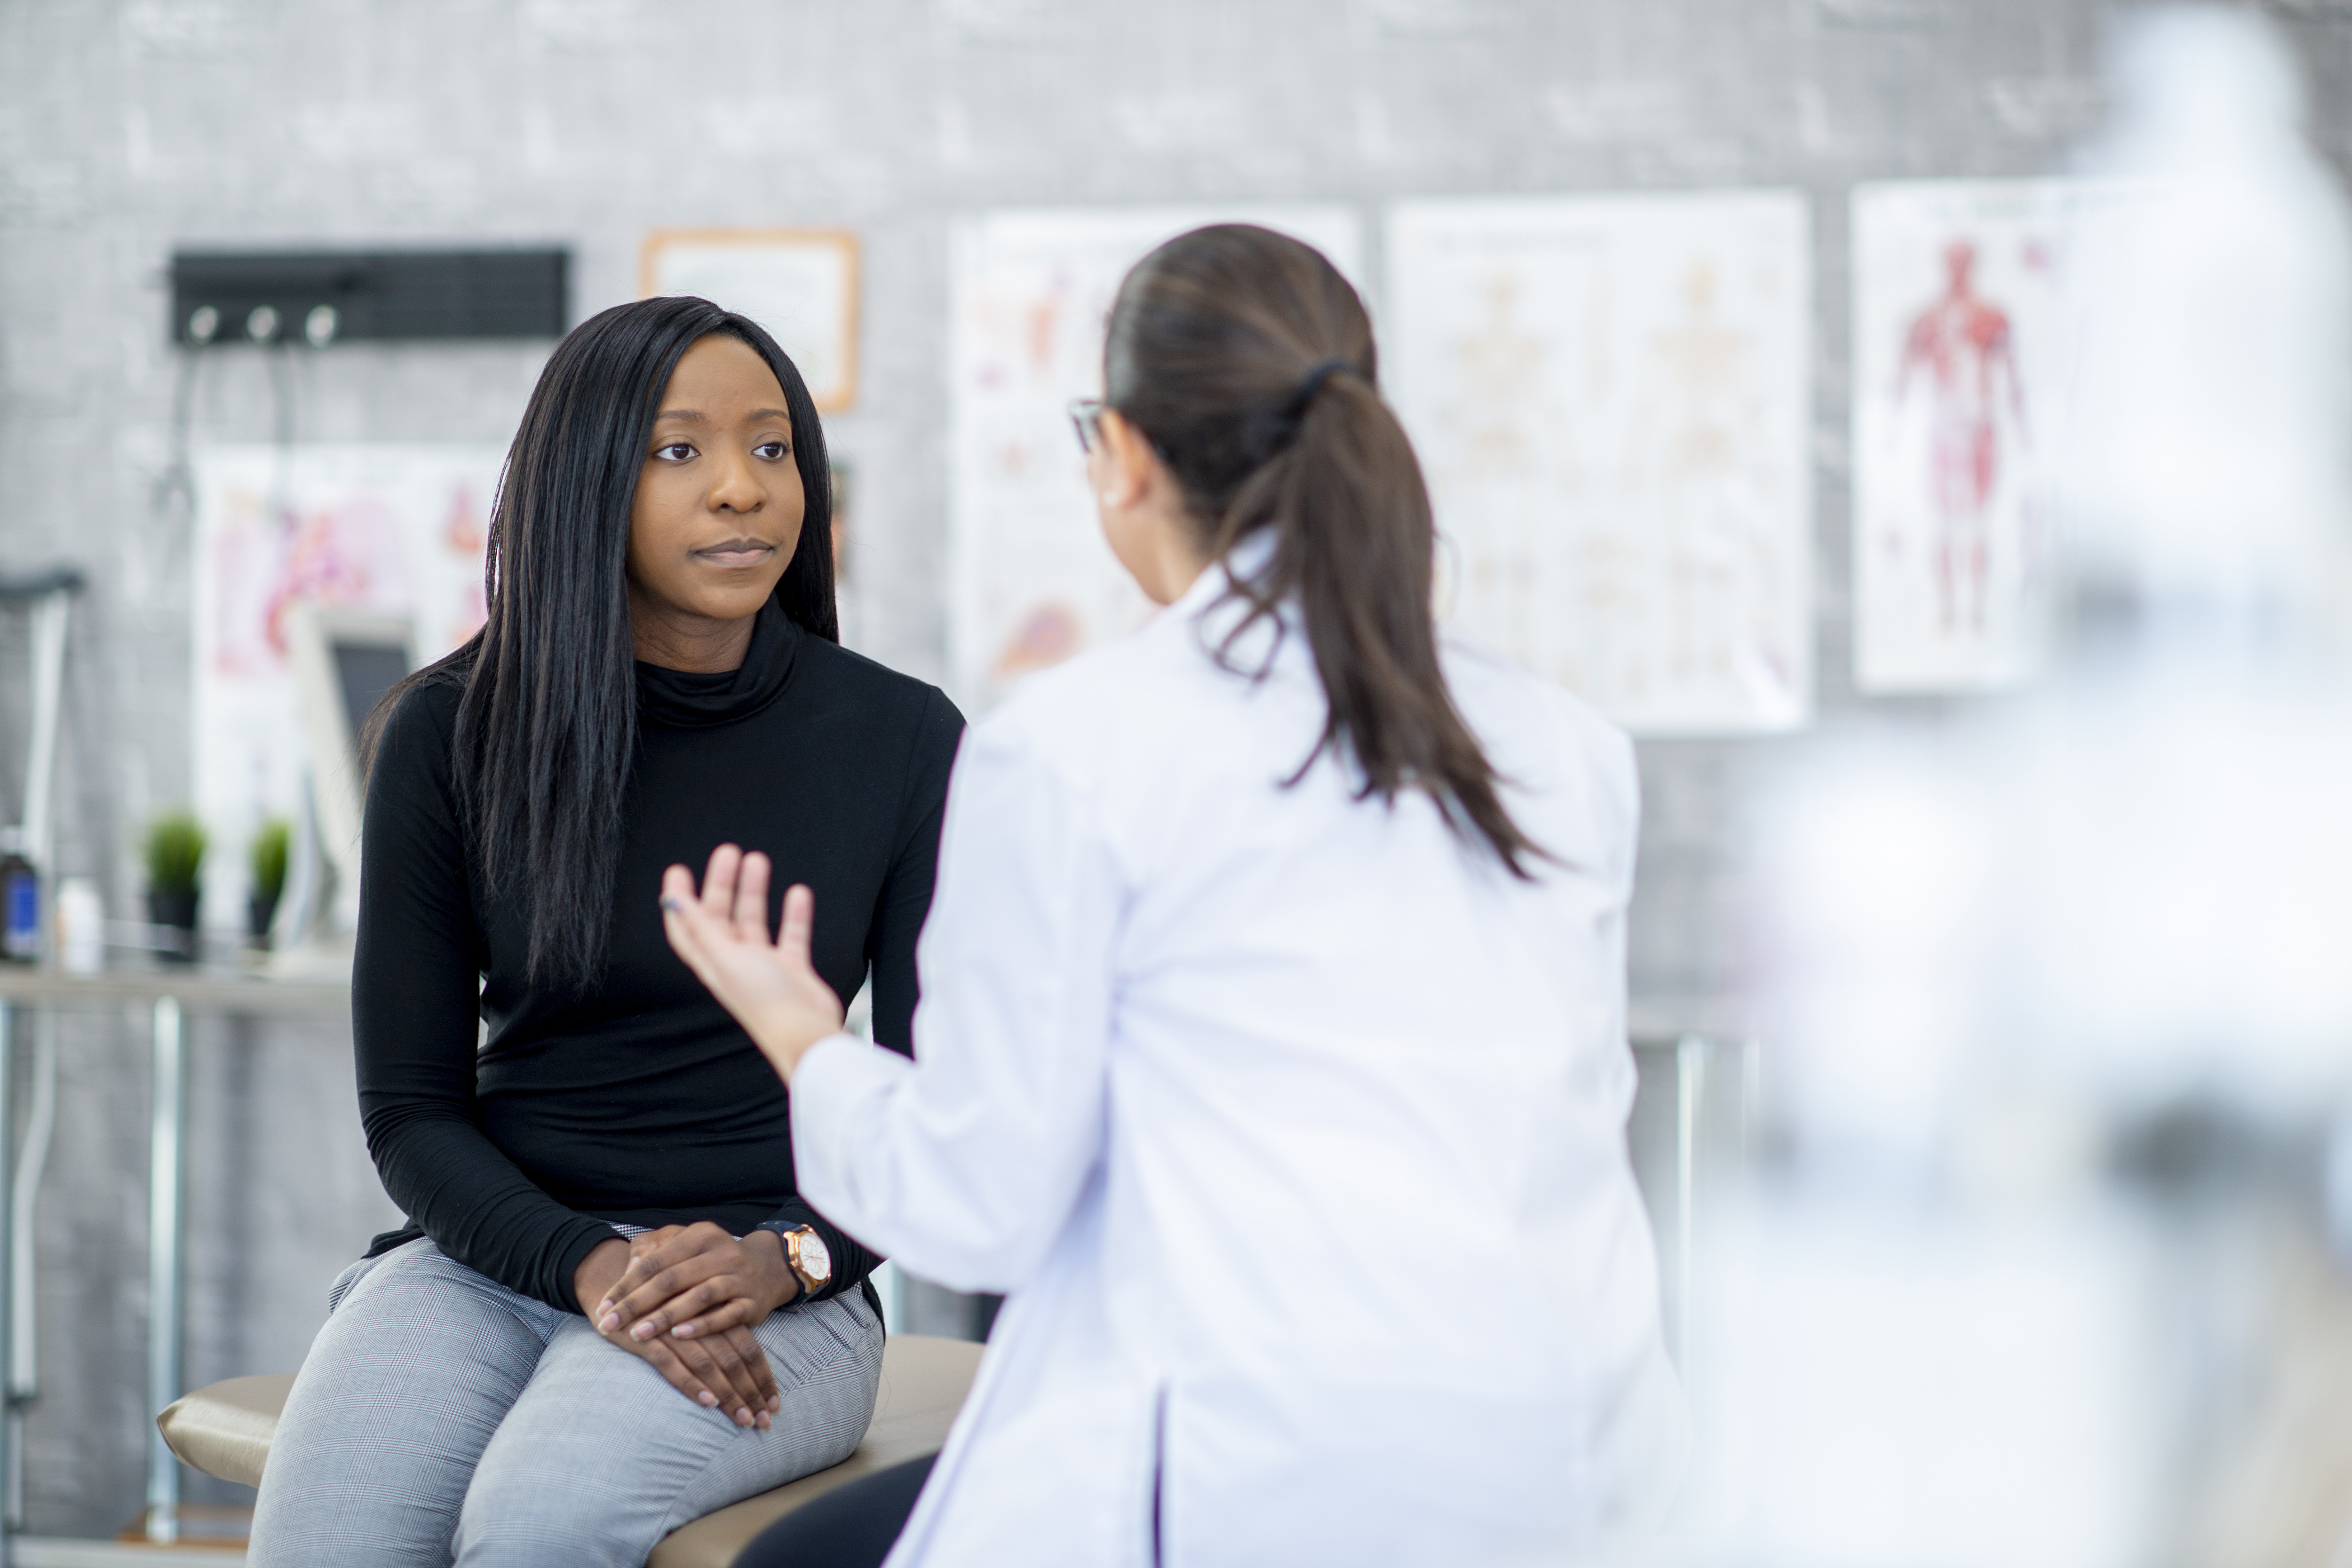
(1206, 607)
(1250, 556)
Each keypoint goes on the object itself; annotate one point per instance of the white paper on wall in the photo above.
(1030, 581)
(1957, 358)
(389, 530)
(1610, 400)
(799, 284)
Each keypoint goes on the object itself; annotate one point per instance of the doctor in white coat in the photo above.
(1270, 1057)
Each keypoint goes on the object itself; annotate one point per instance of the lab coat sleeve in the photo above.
(964, 1164)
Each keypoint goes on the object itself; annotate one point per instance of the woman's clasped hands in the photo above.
(721, 933)
(685, 1299)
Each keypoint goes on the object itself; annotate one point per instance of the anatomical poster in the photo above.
(385, 530)
(1957, 350)
(1611, 402)
(1030, 581)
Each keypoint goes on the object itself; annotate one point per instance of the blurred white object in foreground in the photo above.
(2060, 991)
(81, 926)
(2202, 463)
(2186, 875)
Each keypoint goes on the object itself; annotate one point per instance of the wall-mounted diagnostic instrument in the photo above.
(365, 296)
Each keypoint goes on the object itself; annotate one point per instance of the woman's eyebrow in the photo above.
(697, 416)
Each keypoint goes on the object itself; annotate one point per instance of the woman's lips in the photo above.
(736, 552)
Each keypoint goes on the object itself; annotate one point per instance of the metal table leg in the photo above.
(164, 1216)
(7, 1172)
(1690, 1092)
(40, 1121)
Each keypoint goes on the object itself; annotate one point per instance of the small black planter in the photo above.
(175, 913)
(259, 913)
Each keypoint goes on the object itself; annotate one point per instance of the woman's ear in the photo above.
(1129, 461)
(1142, 510)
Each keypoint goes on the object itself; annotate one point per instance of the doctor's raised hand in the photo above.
(771, 987)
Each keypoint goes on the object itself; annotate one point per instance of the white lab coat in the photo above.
(1292, 1127)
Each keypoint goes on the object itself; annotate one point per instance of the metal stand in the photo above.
(49, 596)
(9, 1430)
(169, 996)
(1690, 1091)
(24, 1207)
(165, 1141)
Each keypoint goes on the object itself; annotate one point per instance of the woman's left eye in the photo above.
(774, 451)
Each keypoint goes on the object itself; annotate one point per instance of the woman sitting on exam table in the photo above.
(659, 672)
(1272, 1051)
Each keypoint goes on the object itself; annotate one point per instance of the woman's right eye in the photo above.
(674, 451)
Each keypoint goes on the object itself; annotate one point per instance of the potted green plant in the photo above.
(268, 868)
(175, 858)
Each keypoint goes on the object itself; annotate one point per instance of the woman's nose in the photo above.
(737, 488)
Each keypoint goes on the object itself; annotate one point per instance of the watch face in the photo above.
(816, 1262)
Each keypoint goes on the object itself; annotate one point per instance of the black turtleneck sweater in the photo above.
(639, 1100)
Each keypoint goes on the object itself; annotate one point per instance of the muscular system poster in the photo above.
(1957, 308)
(1030, 580)
(1610, 400)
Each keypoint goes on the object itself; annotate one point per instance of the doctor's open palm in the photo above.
(771, 988)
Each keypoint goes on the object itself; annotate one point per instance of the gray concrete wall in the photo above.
(129, 126)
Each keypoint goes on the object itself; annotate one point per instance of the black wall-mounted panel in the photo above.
(374, 295)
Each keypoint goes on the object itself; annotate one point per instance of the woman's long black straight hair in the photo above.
(1247, 361)
(547, 726)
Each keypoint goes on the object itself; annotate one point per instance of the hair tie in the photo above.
(1315, 379)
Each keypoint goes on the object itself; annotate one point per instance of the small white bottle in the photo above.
(81, 926)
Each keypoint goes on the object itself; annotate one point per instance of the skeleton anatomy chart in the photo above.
(1030, 581)
(1956, 311)
(1609, 399)
(392, 530)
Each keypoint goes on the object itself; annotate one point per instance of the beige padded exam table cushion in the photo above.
(225, 1430)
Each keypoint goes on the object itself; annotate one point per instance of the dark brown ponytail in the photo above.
(1247, 361)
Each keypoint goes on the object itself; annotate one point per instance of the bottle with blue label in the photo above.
(20, 901)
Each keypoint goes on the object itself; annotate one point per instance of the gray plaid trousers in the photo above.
(442, 1417)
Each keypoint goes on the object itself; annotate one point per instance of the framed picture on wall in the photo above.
(799, 283)
(1610, 397)
(1961, 347)
(1030, 581)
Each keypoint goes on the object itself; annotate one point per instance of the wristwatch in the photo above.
(806, 1253)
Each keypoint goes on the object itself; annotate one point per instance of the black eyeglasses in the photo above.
(1086, 418)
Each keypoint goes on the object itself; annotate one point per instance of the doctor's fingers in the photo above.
(693, 933)
(799, 924)
(751, 899)
(736, 973)
(718, 879)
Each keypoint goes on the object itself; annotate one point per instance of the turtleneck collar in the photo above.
(685, 699)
